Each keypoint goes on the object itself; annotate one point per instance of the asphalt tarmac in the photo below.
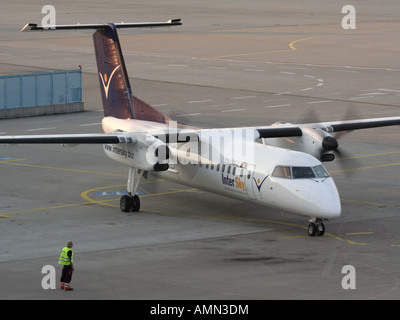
(229, 64)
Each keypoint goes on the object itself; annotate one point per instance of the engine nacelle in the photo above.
(147, 153)
(314, 141)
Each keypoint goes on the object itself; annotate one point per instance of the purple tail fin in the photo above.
(118, 100)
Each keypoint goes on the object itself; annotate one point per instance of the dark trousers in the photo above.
(66, 274)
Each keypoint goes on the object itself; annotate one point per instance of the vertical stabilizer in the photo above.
(116, 92)
(114, 82)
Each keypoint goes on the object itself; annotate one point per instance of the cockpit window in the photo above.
(302, 173)
(282, 172)
(320, 172)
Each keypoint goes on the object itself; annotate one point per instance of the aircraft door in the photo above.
(249, 176)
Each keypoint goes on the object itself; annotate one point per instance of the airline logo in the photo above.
(259, 183)
(236, 183)
(106, 81)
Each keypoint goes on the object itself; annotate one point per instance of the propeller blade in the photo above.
(347, 163)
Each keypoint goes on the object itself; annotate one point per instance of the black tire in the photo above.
(312, 229)
(125, 203)
(135, 203)
(320, 229)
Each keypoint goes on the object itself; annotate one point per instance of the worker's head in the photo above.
(69, 244)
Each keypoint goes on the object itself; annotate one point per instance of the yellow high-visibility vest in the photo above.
(64, 259)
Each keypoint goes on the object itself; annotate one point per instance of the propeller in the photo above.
(345, 160)
(330, 144)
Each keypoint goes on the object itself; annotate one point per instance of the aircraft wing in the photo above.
(277, 131)
(360, 124)
(293, 130)
(100, 138)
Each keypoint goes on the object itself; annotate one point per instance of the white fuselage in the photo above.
(246, 175)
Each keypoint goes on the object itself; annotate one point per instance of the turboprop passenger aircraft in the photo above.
(235, 162)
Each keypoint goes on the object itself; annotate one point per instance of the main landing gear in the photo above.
(316, 228)
(131, 202)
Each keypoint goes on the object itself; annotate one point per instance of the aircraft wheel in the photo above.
(312, 229)
(320, 229)
(135, 203)
(125, 203)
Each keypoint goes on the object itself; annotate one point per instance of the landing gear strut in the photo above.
(131, 202)
(316, 228)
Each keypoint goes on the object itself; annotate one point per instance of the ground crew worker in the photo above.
(67, 261)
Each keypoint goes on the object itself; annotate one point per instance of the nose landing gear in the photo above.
(316, 228)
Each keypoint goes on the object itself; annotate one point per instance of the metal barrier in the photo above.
(40, 89)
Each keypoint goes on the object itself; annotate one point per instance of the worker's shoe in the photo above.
(67, 287)
(61, 285)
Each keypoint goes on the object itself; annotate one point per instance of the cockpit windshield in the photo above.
(300, 172)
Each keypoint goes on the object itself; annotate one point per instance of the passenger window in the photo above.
(229, 170)
(282, 172)
(234, 170)
(218, 166)
(223, 168)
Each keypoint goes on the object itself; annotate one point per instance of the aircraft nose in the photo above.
(326, 200)
(332, 209)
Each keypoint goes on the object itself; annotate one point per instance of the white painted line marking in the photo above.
(373, 93)
(389, 90)
(321, 101)
(358, 98)
(42, 122)
(189, 114)
(233, 110)
(279, 105)
(281, 93)
(89, 124)
(244, 97)
(199, 101)
(306, 89)
(223, 105)
(254, 70)
(219, 68)
(40, 129)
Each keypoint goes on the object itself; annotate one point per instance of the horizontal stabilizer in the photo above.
(35, 27)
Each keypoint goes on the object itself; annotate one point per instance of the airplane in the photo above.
(277, 166)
